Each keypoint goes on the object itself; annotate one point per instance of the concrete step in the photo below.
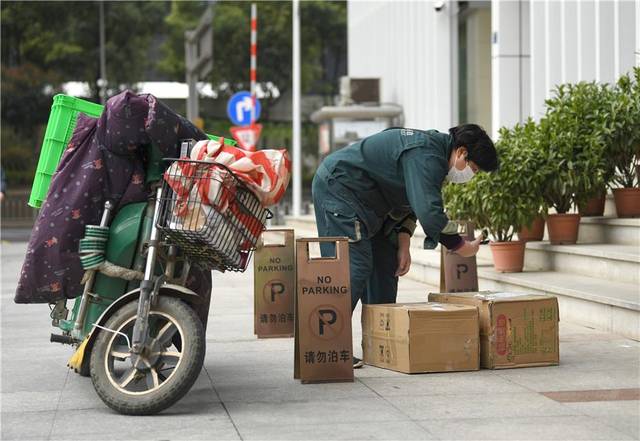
(603, 304)
(607, 247)
(611, 261)
(593, 230)
(610, 205)
(607, 261)
(597, 229)
(609, 230)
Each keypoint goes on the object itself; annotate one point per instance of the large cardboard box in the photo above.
(323, 342)
(516, 329)
(421, 337)
(274, 273)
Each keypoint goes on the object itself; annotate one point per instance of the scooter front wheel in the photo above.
(147, 383)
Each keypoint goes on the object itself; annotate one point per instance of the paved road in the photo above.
(246, 389)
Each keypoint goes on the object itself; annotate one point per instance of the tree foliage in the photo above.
(623, 137)
(572, 139)
(183, 16)
(323, 43)
(62, 38)
(47, 43)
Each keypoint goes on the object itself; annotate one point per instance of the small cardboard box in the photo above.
(323, 342)
(516, 329)
(274, 274)
(421, 337)
(457, 273)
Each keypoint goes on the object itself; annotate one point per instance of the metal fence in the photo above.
(14, 211)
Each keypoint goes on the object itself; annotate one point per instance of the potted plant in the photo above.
(571, 140)
(534, 231)
(500, 202)
(523, 137)
(595, 205)
(602, 104)
(623, 144)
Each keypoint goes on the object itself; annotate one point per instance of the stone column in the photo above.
(510, 62)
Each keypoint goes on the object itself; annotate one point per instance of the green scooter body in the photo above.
(128, 232)
(124, 249)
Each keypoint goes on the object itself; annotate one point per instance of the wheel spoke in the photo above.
(167, 356)
(166, 333)
(152, 379)
(120, 351)
(145, 361)
(128, 377)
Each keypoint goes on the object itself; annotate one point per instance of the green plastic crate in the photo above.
(227, 141)
(62, 122)
(60, 127)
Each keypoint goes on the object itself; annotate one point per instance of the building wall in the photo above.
(407, 44)
(579, 40)
(536, 44)
(511, 61)
(479, 68)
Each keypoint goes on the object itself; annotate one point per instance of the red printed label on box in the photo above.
(501, 335)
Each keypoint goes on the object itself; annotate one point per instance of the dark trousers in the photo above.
(372, 260)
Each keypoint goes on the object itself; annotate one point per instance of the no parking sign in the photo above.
(323, 342)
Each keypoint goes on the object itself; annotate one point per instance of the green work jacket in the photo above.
(395, 175)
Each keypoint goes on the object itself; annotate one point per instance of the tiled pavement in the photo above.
(246, 389)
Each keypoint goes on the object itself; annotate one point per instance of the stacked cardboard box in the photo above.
(516, 329)
(421, 337)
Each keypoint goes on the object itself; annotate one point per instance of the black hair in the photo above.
(479, 146)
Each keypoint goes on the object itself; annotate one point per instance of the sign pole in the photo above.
(297, 150)
(254, 62)
(198, 53)
(102, 82)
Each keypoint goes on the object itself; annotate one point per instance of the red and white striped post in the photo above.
(254, 62)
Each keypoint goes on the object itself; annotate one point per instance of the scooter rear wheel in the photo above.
(163, 373)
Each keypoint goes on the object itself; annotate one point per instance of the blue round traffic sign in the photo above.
(239, 108)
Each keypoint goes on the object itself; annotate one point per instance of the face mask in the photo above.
(460, 176)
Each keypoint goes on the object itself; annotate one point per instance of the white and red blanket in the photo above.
(266, 174)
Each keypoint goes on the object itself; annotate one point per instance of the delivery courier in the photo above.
(373, 191)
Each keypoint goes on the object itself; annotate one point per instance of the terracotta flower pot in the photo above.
(508, 257)
(594, 206)
(563, 228)
(536, 232)
(627, 201)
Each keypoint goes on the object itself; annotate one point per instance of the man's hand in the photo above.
(404, 256)
(470, 247)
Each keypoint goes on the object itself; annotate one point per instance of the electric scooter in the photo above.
(138, 331)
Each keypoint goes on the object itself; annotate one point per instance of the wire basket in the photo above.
(210, 214)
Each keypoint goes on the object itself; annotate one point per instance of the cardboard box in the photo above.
(421, 337)
(274, 273)
(516, 329)
(323, 342)
(457, 273)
